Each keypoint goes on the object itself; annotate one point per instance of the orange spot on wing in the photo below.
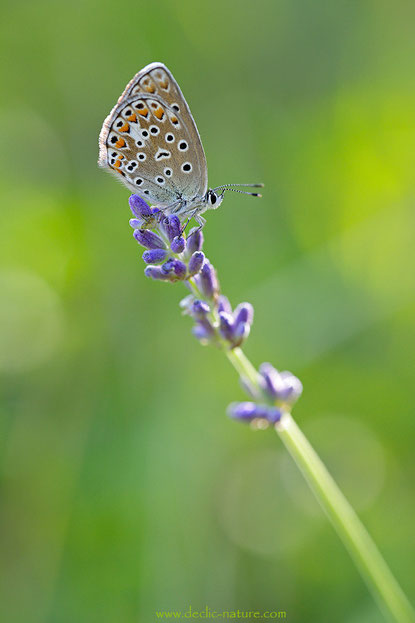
(125, 127)
(164, 84)
(143, 112)
(117, 164)
(133, 118)
(150, 88)
(120, 143)
(174, 120)
(159, 113)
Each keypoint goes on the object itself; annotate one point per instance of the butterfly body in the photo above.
(151, 143)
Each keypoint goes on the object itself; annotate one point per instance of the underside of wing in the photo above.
(151, 142)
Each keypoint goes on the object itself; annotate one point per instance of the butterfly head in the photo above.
(214, 196)
(213, 199)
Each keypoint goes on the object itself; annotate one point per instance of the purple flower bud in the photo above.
(208, 280)
(203, 330)
(274, 415)
(167, 267)
(177, 244)
(248, 411)
(148, 239)
(194, 240)
(175, 268)
(139, 207)
(136, 223)
(179, 269)
(154, 256)
(224, 305)
(293, 388)
(196, 262)
(240, 333)
(226, 326)
(200, 332)
(244, 312)
(155, 272)
(200, 309)
(171, 225)
(272, 381)
(281, 386)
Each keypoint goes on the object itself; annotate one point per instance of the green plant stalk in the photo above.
(373, 568)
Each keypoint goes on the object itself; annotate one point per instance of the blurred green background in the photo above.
(125, 489)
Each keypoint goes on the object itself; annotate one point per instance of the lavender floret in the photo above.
(203, 330)
(136, 223)
(224, 305)
(244, 313)
(194, 240)
(154, 256)
(208, 280)
(226, 326)
(178, 244)
(248, 411)
(139, 207)
(149, 239)
(199, 309)
(240, 333)
(196, 262)
(280, 386)
(155, 272)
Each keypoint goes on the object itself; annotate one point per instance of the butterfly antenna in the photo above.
(235, 188)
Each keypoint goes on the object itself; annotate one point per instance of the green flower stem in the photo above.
(350, 529)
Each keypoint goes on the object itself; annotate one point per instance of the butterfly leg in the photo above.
(199, 220)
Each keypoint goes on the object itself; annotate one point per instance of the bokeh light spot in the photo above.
(31, 321)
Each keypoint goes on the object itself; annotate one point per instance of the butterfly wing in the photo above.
(150, 140)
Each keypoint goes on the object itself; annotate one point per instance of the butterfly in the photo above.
(151, 143)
